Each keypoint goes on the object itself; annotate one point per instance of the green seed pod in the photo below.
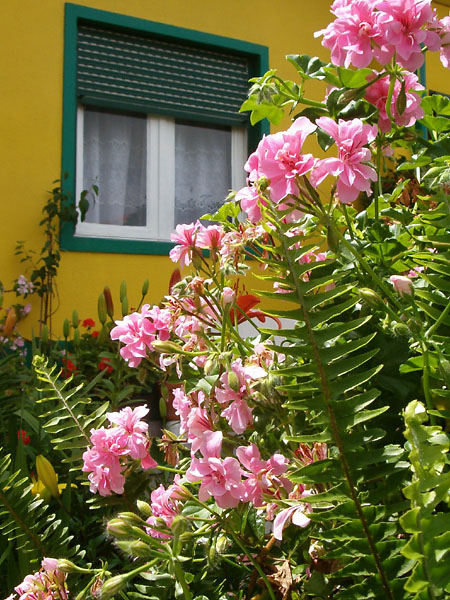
(44, 334)
(75, 319)
(145, 287)
(101, 307)
(124, 306)
(66, 328)
(123, 290)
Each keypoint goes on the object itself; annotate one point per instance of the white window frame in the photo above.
(160, 180)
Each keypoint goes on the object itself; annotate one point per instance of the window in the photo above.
(156, 126)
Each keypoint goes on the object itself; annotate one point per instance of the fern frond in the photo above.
(25, 519)
(328, 374)
(70, 415)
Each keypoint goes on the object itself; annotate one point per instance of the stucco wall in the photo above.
(32, 43)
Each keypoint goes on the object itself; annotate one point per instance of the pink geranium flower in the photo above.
(137, 331)
(251, 202)
(185, 236)
(210, 237)
(279, 159)
(404, 28)
(353, 174)
(165, 506)
(377, 94)
(355, 37)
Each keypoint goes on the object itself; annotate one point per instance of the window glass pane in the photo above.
(202, 170)
(114, 159)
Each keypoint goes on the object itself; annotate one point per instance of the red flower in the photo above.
(105, 364)
(68, 369)
(22, 434)
(245, 304)
(95, 334)
(87, 323)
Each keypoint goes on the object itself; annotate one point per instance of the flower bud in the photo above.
(169, 347)
(44, 334)
(46, 473)
(67, 566)
(112, 586)
(75, 319)
(76, 337)
(130, 518)
(66, 328)
(109, 301)
(211, 367)
(101, 308)
(332, 240)
(372, 298)
(145, 287)
(144, 508)
(123, 290)
(233, 381)
(400, 329)
(263, 183)
(11, 320)
(228, 297)
(118, 528)
(402, 285)
(135, 548)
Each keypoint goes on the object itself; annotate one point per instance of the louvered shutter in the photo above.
(153, 75)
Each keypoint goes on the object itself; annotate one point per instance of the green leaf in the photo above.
(354, 79)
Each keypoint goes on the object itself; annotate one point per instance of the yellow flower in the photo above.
(46, 474)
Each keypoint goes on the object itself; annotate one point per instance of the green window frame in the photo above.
(77, 17)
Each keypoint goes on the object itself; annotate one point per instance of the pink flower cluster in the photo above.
(49, 583)
(113, 447)
(138, 330)
(278, 162)
(382, 29)
(192, 238)
(377, 94)
(24, 286)
(233, 480)
(354, 175)
(165, 505)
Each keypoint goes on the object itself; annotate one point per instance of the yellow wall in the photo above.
(32, 43)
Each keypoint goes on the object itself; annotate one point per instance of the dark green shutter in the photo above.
(168, 77)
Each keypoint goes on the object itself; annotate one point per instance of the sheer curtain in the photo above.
(115, 159)
(202, 170)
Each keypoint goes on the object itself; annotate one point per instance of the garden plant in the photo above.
(311, 457)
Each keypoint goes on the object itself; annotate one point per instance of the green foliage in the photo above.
(68, 422)
(30, 530)
(428, 546)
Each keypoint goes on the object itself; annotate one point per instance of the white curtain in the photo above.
(202, 170)
(115, 159)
